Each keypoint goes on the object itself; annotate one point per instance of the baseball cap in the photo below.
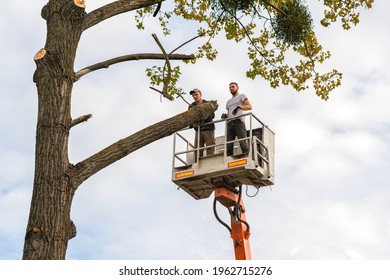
(195, 90)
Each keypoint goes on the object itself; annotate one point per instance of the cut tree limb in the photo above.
(90, 166)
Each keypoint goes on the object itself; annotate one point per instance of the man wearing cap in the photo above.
(204, 131)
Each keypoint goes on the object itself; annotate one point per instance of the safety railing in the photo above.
(185, 153)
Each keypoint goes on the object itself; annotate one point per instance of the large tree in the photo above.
(272, 28)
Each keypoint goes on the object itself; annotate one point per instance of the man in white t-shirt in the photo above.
(236, 127)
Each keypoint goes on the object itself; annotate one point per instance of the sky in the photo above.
(331, 195)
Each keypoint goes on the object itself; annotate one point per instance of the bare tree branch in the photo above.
(157, 9)
(247, 34)
(169, 97)
(90, 166)
(167, 80)
(188, 41)
(180, 94)
(80, 120)
(167, 57)
(129, 57)
(115, 8)
(274, 7)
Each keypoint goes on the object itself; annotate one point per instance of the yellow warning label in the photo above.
(184, 174)
(237, 163)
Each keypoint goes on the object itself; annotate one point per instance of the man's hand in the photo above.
(236, 110)
(224, 116)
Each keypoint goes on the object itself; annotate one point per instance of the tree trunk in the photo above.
(49, 226)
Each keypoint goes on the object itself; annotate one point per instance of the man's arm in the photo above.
(246, 105)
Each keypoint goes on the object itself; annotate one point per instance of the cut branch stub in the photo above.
(79, 3)
(41, 53)
(80, 120)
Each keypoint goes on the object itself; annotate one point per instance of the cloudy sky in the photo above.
(331, 195)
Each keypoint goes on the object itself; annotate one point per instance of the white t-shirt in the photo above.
(232, 104)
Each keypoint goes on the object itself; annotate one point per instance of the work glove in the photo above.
(224, 116)
(236, 110)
